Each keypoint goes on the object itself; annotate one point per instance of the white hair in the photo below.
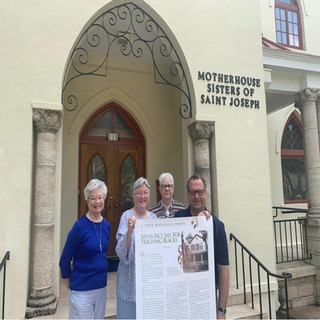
(93, 185)
(139, 182)
(165, 174)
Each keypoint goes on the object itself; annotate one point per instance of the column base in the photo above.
(41, 306)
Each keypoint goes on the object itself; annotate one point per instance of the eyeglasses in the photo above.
(164, 186)
(194, 192)
(140, 194)
(95, 199)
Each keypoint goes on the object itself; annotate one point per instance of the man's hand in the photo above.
(205, 213)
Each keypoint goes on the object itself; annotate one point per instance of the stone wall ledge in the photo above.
(298, 269)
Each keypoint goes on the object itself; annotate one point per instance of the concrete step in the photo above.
(243, 311)
(236, 297)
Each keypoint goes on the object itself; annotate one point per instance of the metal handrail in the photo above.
(288, 210)
(285, 276)
(291, 236)
(3, 265)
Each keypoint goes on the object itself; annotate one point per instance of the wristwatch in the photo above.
(224, 310)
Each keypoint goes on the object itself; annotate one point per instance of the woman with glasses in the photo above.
(126, 281)
(83, 262)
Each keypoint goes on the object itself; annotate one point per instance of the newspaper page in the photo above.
(175, 277)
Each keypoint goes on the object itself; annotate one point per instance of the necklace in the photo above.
(99, 238)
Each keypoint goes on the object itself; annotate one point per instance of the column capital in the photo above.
(200, 130)
(47, 120)
(306, 95)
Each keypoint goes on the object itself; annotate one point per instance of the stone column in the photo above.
(41, 300)
(318, 114)
(306, 102)
(201, 132)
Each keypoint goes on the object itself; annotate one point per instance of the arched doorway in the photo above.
(112, 149)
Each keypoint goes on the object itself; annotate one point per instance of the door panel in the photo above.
(113, 158)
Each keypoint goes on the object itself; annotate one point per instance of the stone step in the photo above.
(236, 297)
(243, 311)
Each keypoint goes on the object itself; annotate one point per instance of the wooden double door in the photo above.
(118, 163)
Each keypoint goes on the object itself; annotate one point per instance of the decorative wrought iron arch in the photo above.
(139, 33)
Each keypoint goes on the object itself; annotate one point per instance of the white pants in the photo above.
(89, 304)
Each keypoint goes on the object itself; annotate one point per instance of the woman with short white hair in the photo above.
(83, 261)
(126, 280)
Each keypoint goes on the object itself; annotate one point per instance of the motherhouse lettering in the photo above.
(229, 90)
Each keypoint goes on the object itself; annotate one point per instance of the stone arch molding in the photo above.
(112, 95)
(129, 29)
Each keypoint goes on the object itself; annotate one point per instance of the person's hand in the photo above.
(220, 315)
(67, 282)
(131, 223)
(205, 213)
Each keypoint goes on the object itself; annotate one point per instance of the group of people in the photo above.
(83, 260)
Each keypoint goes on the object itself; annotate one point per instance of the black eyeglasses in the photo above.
(164, 186)
(199, 192)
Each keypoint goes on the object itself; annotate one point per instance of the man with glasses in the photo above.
(167, 206)
(197, 196)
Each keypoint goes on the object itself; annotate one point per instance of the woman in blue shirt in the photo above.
(126, 278)
(83, 262)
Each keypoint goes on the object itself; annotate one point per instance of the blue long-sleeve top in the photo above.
(126, 274)
(81, 259)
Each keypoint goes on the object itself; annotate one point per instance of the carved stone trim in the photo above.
(47, 120)
(200, 130)
(306, 95)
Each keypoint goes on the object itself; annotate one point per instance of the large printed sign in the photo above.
(175, 276)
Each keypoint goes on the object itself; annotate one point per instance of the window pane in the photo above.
(292, 136)
(295, 17)
(291, 40)
(128, 177)
(295, 29)
(283, 26)
(290, 27)
(279, 38)
(296, 41)
(290, 16)
(102, 126)
(294, 182)
(284, 38)
(277, 13)
(97, 169)
(283, 14)
(122, 128)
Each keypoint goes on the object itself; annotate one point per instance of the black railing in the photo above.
(4, 265)
(291, 236)
(246, 269)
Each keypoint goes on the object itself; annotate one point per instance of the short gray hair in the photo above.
(165, 174)
(139, 182)
(93, 185)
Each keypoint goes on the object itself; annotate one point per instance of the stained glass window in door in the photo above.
(128, 177)
(97, 169)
